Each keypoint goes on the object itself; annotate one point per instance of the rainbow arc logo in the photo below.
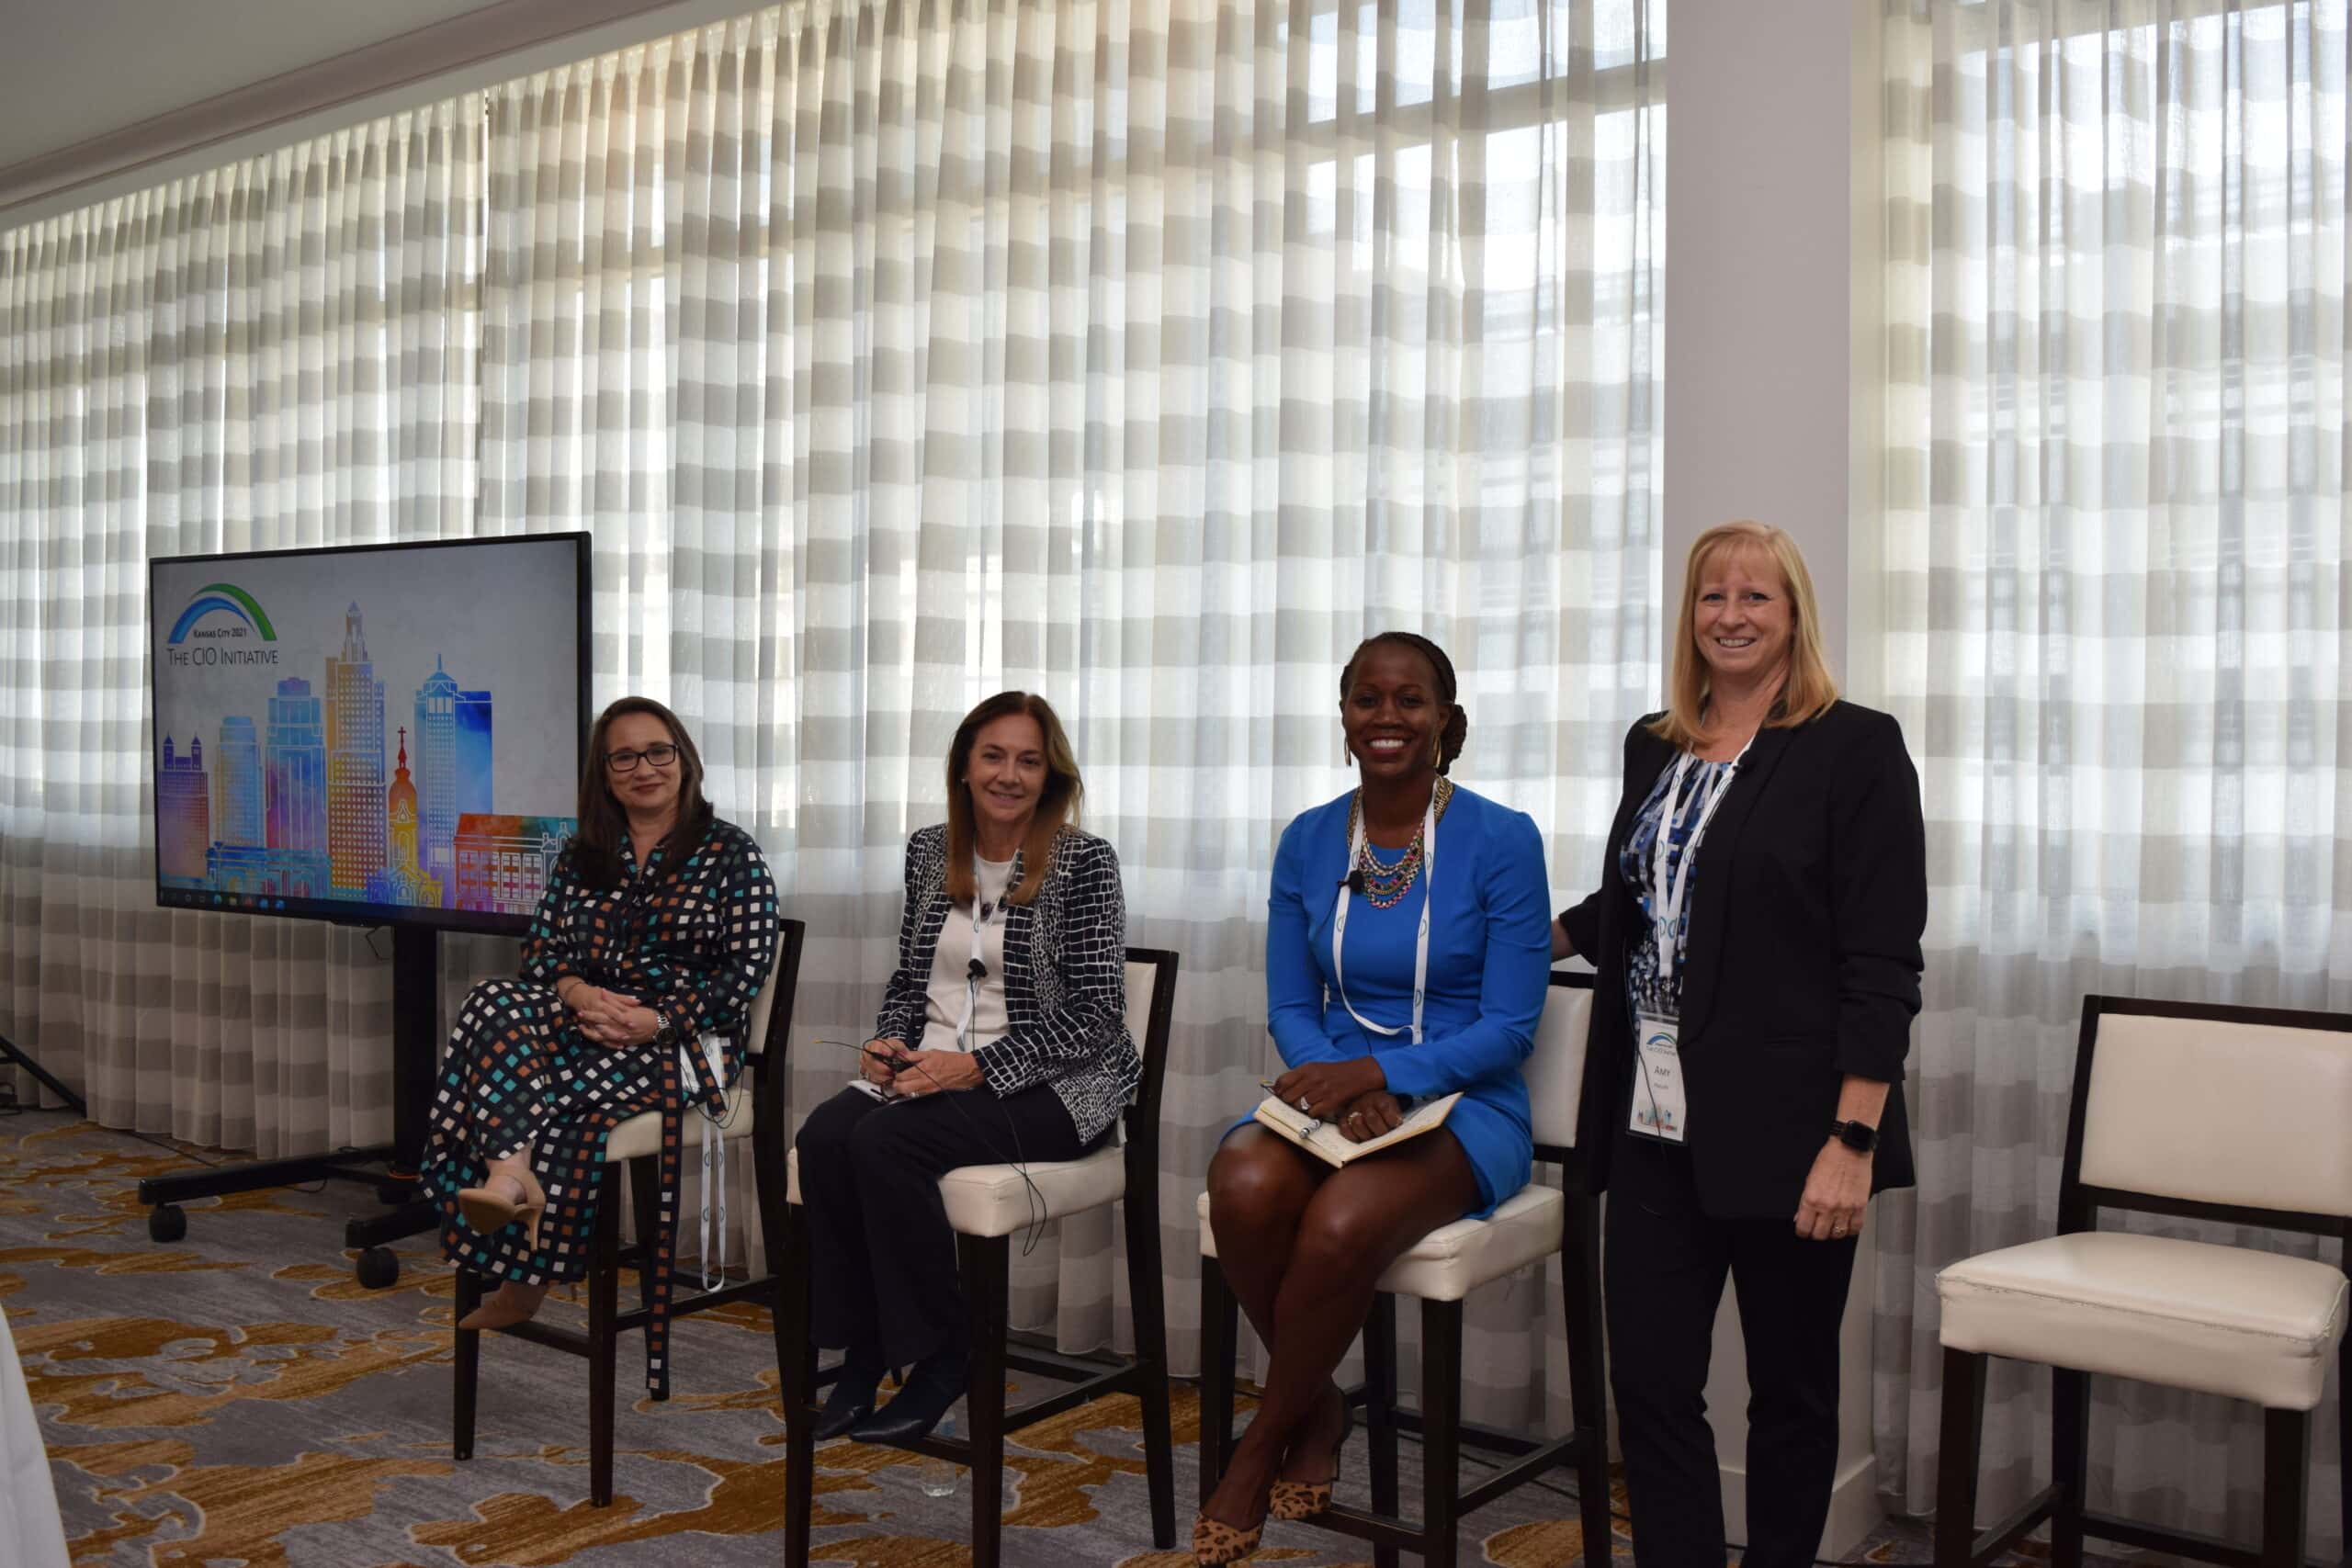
(218, 596)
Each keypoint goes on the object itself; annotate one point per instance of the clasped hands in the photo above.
(912, 1074)
(610, 1018)
(1351, 1095)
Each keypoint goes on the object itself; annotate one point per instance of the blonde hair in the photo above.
(1808, 690)
(1058, 803)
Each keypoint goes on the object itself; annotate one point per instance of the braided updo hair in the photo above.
(1457, 722)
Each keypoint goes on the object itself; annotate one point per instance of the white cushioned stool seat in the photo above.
(641, 1134)
(1454, 1259)
(2226, 1320)
(991, 1199)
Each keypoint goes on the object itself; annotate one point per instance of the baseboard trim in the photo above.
(1854, 1509)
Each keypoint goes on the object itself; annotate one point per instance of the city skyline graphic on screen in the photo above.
(389, 729)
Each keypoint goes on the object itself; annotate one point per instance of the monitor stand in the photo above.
(391, 1167)
(9, 1052)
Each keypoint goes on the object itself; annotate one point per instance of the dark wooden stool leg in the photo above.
(1588, 1373)
(1963, 1429)
(467, 1371)
(2069, 1463)
(797, 1360)
(2286, 1486)
(2343, 1438)
(1441, 1429)
(767, 1176)
(604, 1289)
(987, 1285)
(1380, 1413)
(1146, 1292)
(1219, 1322)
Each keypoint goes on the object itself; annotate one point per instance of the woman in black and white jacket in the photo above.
(1002, 1038)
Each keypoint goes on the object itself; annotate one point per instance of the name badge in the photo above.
(1659, 1110)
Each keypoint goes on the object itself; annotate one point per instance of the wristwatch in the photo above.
(1859, 1136)
(666, 1032)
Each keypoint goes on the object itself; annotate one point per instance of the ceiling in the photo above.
(76, 69)
(102, 96)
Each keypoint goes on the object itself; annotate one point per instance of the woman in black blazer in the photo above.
(1744, 1085)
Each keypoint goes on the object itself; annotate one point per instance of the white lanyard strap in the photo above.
(1421, 943)
(713, 1152)
(714, 1179)
(1669, 893)
(982, 912)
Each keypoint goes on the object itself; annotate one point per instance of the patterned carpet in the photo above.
(236, 1398)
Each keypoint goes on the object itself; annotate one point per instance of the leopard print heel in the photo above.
(1298, 1499)
(1215, 1541)
(1304, 1499)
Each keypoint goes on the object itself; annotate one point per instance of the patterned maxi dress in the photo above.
(698, 943)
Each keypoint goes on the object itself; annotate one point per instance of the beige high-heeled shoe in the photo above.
(509, 1304)
(1304, 1499)
(486, 1209)
(1215, 1541)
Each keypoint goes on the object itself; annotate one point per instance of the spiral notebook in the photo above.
(1324, 1139)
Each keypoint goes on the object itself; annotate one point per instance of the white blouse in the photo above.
(951, 996)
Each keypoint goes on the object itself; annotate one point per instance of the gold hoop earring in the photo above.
(1437, 751)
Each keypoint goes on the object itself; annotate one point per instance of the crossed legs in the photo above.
(1303, 1246)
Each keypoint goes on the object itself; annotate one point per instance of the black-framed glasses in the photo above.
(626, 761)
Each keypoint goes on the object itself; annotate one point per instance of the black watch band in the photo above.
(664, 1032)
(1859, 1136)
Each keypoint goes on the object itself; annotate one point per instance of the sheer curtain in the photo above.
(2113, 551)
(278, 353)
(1147, 360)
(1146, 357)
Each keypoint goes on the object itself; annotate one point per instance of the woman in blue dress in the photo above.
(1407, 858)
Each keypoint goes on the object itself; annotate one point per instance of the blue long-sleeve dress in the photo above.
(1490, 957)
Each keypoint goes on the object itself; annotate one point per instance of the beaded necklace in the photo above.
(1386, 885)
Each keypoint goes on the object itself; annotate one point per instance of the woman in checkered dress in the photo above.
(659, 924)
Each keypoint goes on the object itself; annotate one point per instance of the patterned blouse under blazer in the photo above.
(1065, 977)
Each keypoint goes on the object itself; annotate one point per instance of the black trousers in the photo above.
(1664, 1266)
(884, 1283)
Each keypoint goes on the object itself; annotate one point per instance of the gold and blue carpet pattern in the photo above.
(236, 1398)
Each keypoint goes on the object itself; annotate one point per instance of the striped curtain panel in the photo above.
(2112, 568)
(1145, 356)
(278, 353)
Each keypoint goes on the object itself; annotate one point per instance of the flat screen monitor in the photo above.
(377, 735)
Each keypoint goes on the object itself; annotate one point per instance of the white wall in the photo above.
(1762, 149)
(1771, 370)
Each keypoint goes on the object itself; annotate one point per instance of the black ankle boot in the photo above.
(936, 1382)
(850, 1400)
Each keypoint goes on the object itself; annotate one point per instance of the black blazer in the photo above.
(1803, 963)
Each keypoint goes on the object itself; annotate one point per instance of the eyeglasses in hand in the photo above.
(626, 761)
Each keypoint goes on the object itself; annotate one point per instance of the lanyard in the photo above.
(1669, 893)
(1421, 943)
(975, 971)
(714, 1153)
